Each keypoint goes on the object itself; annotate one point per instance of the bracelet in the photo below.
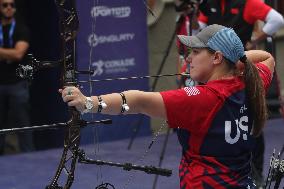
(101, 104)
(89, 105)
(124, 107)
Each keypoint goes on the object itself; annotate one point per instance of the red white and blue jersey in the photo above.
(214, 128)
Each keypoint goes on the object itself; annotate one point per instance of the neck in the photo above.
(6, 21)
(222, 74)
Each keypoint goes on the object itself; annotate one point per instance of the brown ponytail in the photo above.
(256, 96)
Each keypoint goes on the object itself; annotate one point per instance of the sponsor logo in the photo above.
(191, 91)
(113, 66)
(98, 67)
(95, 40)
(104, 11)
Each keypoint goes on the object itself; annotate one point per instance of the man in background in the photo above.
(14, 91)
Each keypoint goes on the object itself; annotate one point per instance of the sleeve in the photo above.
(274, 21)
(188, 107)
(22, 33)
(202, 18)
(255, 10)
(265, 75)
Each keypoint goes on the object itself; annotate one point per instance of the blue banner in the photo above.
(113, 40)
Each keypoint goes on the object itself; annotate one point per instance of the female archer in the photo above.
(218, 119)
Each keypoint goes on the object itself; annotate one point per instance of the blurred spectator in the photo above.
(14, 92)
(241, 15)
(188, 13)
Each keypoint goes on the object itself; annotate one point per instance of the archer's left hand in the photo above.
(73, 97)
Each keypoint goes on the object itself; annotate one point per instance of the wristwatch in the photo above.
(89, 104)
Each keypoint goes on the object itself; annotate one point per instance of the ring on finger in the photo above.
(69, 91)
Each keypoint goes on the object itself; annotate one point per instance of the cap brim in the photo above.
(191, 41)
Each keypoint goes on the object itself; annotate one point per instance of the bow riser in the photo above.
(69, 23)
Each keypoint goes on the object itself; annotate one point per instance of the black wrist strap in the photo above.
(100, 106)
(124, 107)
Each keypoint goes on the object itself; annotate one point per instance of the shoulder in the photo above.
(22, 32)
(200, 96)
(21, 27)
(255, 10)
(265, 75)
(197, 91)
(195, 100)
(263, 69)
(226, 87)
(252, 3)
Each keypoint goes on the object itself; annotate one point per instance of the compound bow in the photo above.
(69, 24)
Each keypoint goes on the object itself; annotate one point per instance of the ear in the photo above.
(218, 57)
(240, 66)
